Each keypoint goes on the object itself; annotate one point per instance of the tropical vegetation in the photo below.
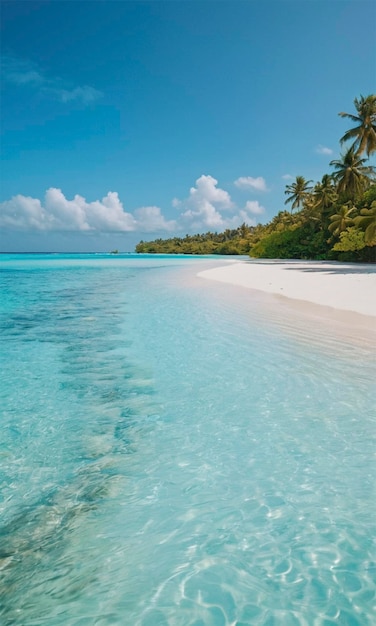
(334, 218)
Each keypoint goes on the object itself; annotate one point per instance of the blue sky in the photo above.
(124, 121)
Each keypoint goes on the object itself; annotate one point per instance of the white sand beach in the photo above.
(342, 286)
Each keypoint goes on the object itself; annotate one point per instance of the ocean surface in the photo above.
(178, 452)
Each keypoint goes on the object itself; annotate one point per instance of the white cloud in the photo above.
(287, 177)
(26, 74)
(205, 217)
(62, 214)
(207, 207)
(20, 72)
(202, 207)
(26, 77)
(57, 213)
(323, 150)
(247, 214)
(83, 94)
(150, 219)
(253, 207)
(247, 182)
(206, 190)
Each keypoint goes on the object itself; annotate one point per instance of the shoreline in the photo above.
(344, 287)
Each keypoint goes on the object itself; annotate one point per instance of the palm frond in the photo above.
(354, 118)
(350, 134)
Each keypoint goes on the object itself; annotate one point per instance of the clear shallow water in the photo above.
(172, 453)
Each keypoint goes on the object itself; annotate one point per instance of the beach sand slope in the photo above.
(343, 286)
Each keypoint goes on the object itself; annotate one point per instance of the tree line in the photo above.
(334, 218)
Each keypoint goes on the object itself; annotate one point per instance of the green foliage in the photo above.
(235, 241)
(298, 192)
(292, 243)
(364, 133)
(367, 220)
(350, 240)
(342, 219)
(324, 194)
(277, 245)
(368, 197)
(351, 175)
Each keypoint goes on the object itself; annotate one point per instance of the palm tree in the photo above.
(364, 134)
(352, 176)
(299, 192)
(367, 221)
(341, 220)
(325, 193)
(243, 230)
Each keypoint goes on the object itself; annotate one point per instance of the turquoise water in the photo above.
(178, 452)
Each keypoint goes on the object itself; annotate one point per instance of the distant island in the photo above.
(335, 218)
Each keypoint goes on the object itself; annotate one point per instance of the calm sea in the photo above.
(175, 452)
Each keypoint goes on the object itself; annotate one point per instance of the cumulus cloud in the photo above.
(202, 207)
(323, 150)
(57, 213)
(24, 73)
(287, 177)
(247, 182)
(254, 208)
(206, 190)
(150, 219)
(207, 207)
(247, 214)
